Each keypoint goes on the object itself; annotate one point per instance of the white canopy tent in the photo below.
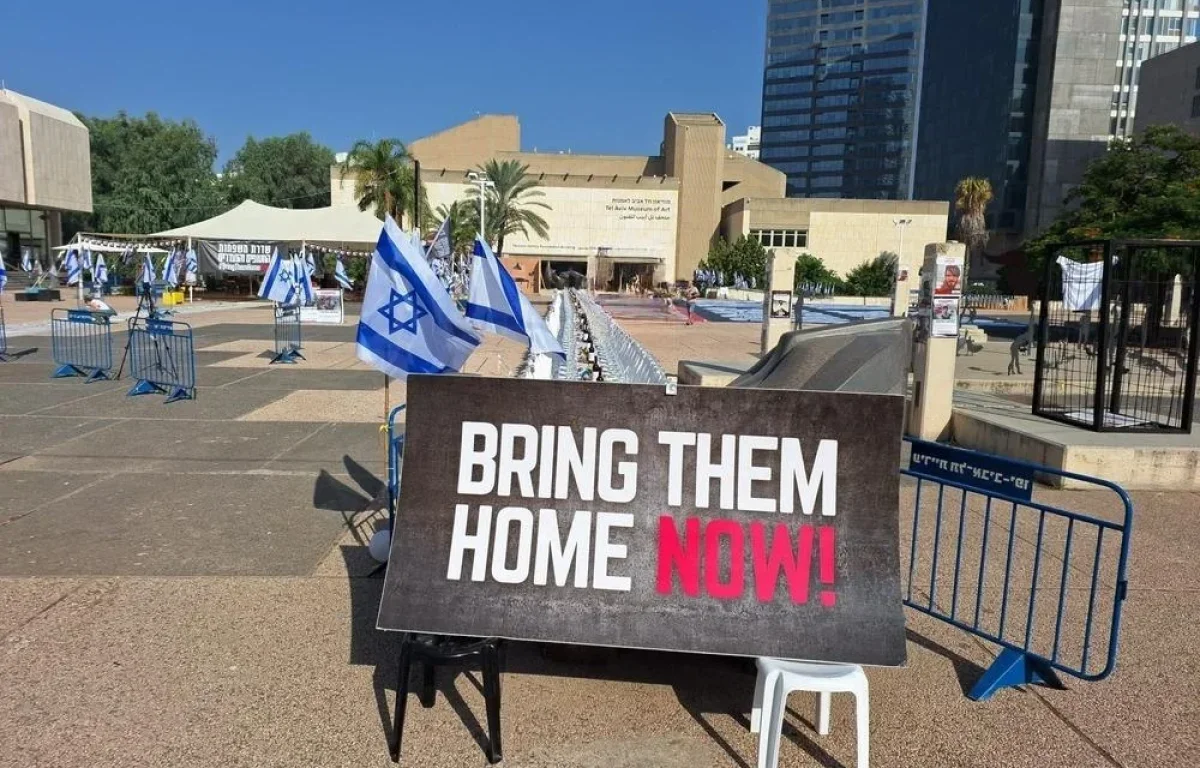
(95, 246)
(334, 227)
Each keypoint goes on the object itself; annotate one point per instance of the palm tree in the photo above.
(464, 223)
(383, 177)
(972, 196)
(509, 202)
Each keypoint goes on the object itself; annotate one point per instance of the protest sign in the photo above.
(327, 308)
(738, 521)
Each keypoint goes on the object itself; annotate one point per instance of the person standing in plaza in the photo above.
(690, 294)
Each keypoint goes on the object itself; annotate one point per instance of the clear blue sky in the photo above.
(581, 75)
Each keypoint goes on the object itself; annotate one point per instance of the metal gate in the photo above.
(1116, 346)
(81, 342)
(1045, 583)
(162, 358)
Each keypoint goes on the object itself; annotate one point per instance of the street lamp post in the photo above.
(900, 224)
(484, 183)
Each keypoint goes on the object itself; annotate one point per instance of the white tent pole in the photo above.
(191, 285)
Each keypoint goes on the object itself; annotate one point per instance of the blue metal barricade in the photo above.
(287, 335)
(1045, 583)
(3, 339)
(81, 342)
(162, 358)
(395, 454)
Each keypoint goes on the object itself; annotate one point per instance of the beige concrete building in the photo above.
(45, 169)
(1170, 90)
(616, 216)
(842, 233)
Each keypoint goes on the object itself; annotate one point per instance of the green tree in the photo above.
(972, 196)
(745, 256)
(873, 278)
(509, 202)
(464, 224)
(1147, 186)
(810, 269)
(148, 174)
(383, 179)
(284, 171)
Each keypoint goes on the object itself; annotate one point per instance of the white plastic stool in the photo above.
(778, 678)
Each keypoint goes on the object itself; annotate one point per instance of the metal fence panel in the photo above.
(1045, 583)
(81, 343)
(162, 357)
(395, 439)
(287, 335)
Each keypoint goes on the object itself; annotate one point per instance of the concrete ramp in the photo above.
(868, 357)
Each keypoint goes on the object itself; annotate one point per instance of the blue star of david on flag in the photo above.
(395, 302)
(404, 294)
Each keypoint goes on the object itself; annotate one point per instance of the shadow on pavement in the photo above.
(371, 485)
(704, 685)
(17, 354)
(967, 671)
(332, 494)
(372, 647)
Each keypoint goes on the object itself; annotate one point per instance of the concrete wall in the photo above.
(53, 155)
(591, 166)
(1077, 70)
(12, 161)
(470, 144)
(694, 151)
(62, 164)
(750, 178)
(631, 219)
(844, 233)
(1168, 89)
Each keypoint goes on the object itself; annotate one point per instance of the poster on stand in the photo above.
(945, 317)
(750, 522)
(949, 275)
(327, 308)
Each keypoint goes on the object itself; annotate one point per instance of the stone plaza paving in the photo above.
(188, 584)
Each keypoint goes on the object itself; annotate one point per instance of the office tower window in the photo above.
(857, 61)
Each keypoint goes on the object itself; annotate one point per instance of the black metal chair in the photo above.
(439, 650)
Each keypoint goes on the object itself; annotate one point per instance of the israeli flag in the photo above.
(409, 323)
(303, 281)
(171, 269)
(27, 259)
(497, 305)
(71, 265)
(3, 274)
(191, 268)
(126, 254)
(441, 249)
(341, 276)
(100, 273)
(147, 276)
(87, 260)
(279, 284)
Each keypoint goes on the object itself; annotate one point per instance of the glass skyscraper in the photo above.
(839, 95)
(978, 102)
(1027, 93)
